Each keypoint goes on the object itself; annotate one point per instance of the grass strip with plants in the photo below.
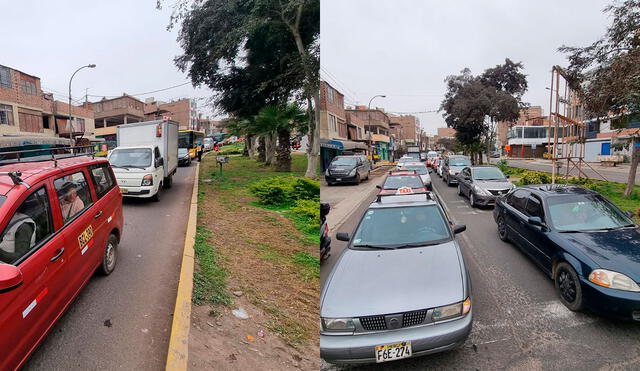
(209, 280)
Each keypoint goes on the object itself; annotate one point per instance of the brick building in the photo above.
(109, 113)
(25, 110)
(410, 128)
(377, 127)
(184, 111)
(333, 123)
(446, 133)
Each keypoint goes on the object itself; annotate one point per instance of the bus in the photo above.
(193, 141)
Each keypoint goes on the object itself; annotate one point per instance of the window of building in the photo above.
(330, 94)
(73, 195)
(6, 114)
(5, 77)
(332, 123)
(78, 124)
(29, 227)
(28, 87)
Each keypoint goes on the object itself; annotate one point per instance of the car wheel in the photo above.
(502, 229)
(329, 184)
(448, 181)
(168, 182)
(472, 199)
(156, 197)
(358, 180)
(368, 174)
(459, 190)
(110, 255)
(568, 287)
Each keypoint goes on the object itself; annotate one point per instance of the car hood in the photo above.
(372, 282)
(617, 250)
(494, 185)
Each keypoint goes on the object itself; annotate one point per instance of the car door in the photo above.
(514, 214)
(465, 180)
(107, 202)
(536, 239)
(79, 224)
(40, 252)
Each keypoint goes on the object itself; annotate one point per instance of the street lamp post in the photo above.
(369, 114)
(70, 120)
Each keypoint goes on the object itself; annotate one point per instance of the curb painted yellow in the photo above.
(177, 357)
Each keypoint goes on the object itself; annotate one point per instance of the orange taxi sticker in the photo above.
(85, 239)
(404, 190)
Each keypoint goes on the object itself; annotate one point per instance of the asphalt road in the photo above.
(619, 174)
(123, 321)
(519, 323)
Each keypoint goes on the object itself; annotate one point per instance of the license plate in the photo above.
(124, 190)
(392, 352)
(339, 179)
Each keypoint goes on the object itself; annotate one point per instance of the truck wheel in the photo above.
(168, 181)
(156, 197)
(110, 255)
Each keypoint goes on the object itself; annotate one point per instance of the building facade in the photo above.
(25, 110)
(184, 111)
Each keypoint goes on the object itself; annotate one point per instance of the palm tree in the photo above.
(281, 120)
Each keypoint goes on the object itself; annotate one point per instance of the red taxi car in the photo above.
(60, 221)
(402, 181)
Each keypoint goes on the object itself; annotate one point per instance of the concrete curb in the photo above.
(177, 357)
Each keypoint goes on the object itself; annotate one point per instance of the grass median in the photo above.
(270, 252)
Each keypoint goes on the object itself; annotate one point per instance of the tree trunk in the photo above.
(247, 146)
(270, 149)
(313, 144)
(261, 148)
(635, 159)
(283, 155)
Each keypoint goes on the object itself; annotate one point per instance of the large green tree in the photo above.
(280, 121)
(606, 75)
(254, 53)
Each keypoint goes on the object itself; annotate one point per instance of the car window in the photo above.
(466, 172)
(103, 179)
(518, 199)
(399, 181)
(157, 152)
(73, 195)
(401, 225)
(29, 226)
(534, 207)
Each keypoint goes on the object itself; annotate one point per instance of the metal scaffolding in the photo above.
(567, 127)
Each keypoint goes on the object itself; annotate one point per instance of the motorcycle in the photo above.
(325, 239)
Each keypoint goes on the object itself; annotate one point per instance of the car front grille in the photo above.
(413, 318)
(500, 192)
(378, 323)
(373, 323)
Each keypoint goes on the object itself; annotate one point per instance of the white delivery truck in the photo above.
(146, 157)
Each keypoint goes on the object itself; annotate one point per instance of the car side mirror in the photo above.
(458, 228)
(341, 236)
(535, 220)
(159, 161)
(324, 209)
(378, 186)
(629, 213)
(467, 177)
(10, 277)
(506, 176)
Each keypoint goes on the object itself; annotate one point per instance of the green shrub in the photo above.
(308, 208)
(535, 177)
(306, 189)
(503, 165)
(273, 191)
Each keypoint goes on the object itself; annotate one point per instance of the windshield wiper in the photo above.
(619, 227)
(418, 244)
(381, 247)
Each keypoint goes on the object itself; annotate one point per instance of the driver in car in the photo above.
(70, 204)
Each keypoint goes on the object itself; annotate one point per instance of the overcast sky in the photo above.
(406, 48)
(127, 39)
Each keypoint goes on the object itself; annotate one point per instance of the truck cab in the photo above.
(139, 170)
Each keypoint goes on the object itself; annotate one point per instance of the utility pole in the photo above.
(369, 116)
(70, 119)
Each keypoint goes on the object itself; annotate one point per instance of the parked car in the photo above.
(440, 167)
(184, 159)
(423, 156)
(421, 170)
(452, 166)
(581, 240)
(208, 144)
(496, 154)
(60, 221)
(482, 184)
(401, 287)
(404, 159)
(430, 156)
(402, 181)
(348, 169)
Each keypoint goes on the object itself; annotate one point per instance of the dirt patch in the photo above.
(260, 250)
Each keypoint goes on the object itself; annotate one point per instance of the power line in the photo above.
(145, 93)
(340, 84)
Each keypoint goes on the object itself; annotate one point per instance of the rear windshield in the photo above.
(134, 157)
(399, 226)
(420, 169)
(399, 181)
(459, 161)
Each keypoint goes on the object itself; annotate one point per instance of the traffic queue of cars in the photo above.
(61, 219)
(401, 288)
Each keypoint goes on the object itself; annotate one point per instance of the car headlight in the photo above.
(147, 180)
(613, 280)
(338, 324)
(353, 172)
(452, 172)
(326, 173)
(452, 310)
(481, 191)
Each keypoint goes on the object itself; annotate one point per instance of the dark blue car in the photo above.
(588, 246)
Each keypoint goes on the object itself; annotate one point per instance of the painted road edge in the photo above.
(178, 354)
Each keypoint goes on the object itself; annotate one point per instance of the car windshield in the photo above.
(134, 157)
(344, 161)
(432, 154)
(400, 227)
(585, 213)
(399, 181)
(487, 173)
(420, 169)
(182, 151)
(459, 161)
